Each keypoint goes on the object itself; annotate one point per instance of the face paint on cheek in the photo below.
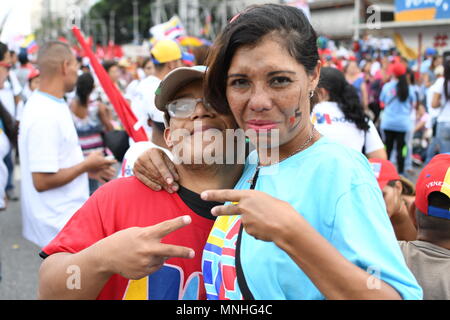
(296, 119)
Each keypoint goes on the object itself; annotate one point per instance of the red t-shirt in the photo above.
(125, 203)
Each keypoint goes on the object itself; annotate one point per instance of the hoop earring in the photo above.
(311, 94)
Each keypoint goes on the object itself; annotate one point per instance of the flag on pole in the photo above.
(171, 29)
(119, 103)
(30, 44)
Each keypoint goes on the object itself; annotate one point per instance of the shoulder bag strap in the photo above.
(246, 293)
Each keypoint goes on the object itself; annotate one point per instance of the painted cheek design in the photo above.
(292, 120)
(297, 115)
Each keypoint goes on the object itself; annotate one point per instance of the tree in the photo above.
(122, 11)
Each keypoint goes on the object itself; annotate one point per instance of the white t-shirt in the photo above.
(438, 87)
(329, 120)
(5, 147)
(130, 92)
(386, 43)
(143, 105)
(48, 142)
(11, 89)
(133, 153)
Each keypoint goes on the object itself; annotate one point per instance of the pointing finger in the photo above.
(164, 228)
(223, 195)
(226, 210)
(172, 251)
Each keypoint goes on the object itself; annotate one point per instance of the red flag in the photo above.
(119, 103)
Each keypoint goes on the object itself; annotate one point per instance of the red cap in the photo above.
(398, 69)
(434, 177)
(33, 74)
(384, 171)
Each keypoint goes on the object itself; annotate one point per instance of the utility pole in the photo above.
(112, 26)
(225, 14)
(135, 22)
(193, 18)
(357, 14)
(158, 12)
(49, 34)
(183, 13)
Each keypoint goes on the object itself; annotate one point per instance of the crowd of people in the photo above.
(323, 205)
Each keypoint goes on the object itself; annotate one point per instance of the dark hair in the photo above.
(108, 64)
(408, 187)
(160, 126)
(23, 58)
(437, 228)
(345, 95)
(158, 66)
(402, 88)
(9, 125)
(248, 29)
(201, 53)
(411, 77)
(3, 50)
(447, 78)
(85, 85)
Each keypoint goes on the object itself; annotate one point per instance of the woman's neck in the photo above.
(306, 138)
(80, 110)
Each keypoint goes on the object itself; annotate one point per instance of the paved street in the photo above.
(19, 258)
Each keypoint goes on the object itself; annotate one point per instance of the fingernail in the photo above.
(169, 190)
(169, 180)
(175, 187)
(204, 195)
(213, 211)
(187, 219)
(191, 254)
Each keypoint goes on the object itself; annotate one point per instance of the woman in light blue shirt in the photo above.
(311, 223)
(399, 100)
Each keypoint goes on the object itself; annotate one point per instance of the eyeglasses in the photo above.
(185, 107)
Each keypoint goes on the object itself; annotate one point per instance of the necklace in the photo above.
(303, 146)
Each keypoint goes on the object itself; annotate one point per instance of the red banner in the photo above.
(116, 98)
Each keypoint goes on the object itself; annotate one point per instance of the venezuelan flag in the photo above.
(30, 44)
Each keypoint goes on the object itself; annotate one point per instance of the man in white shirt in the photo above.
(166, 56)
(53, 170)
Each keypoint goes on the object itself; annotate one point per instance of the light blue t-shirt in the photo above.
(335, 190)
(397, 114)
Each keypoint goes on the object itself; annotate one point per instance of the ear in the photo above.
(399, 186)
(65, 67)
(412, 214)
(168, 138)
(315, 76)
(173, 64)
